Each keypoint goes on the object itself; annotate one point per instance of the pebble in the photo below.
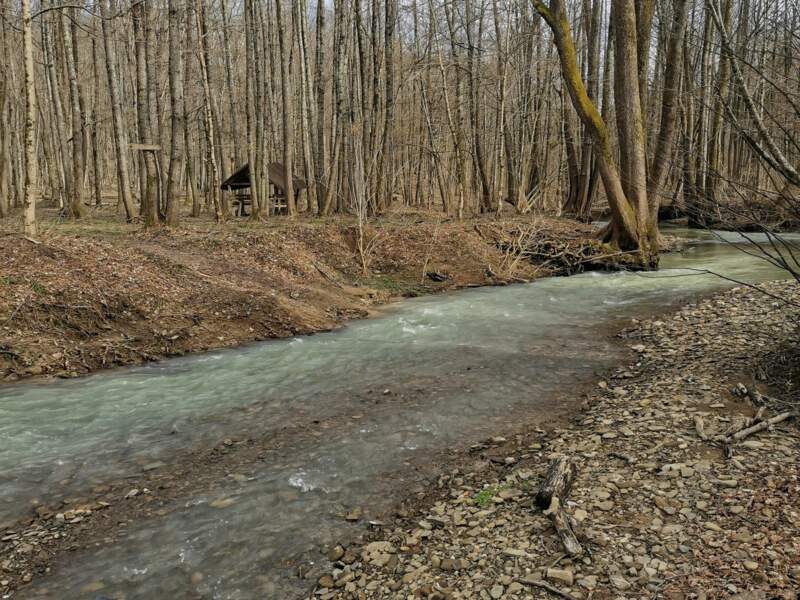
(730, 483)
(565, 576)
(619, 582)
(222, 502)
(335, 553)
(94, 586)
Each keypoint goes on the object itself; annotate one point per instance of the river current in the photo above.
(427, 374)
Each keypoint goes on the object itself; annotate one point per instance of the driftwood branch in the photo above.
(700, 427)
(760, 426)
(747, 427)
(557, 482)
(552, 495)
(563, 526)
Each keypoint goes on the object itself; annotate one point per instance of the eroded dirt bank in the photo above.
(661, 512)
(91, 297)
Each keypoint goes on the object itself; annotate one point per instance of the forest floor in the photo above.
(660, 510)
(99, 293)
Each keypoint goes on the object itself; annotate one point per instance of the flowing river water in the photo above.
(427, 374)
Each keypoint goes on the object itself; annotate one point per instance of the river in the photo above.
(427, 374)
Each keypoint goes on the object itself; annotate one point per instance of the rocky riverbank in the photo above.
(96, 295)
(660, 507)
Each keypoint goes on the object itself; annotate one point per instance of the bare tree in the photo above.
(669, 104)
(76, 208)
(31, 185)
(177, 111)
(120, 132)
(284, 37)
(460, 105)
(210, 128)
(149, 190)
(626, 189)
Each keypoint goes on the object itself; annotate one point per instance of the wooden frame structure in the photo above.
(239, 184)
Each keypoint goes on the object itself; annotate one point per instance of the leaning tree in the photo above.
(634, 224)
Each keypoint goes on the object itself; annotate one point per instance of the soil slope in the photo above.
(85, 298)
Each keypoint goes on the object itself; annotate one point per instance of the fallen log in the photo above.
(757, 418)
(557, 482)
(563, 524)
(552, 496)
(766, 424)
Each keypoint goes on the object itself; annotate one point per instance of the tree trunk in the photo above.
(5, 117)
(150, 197)
(177, 110)
(98, 199)
(319, 86)
(120, 133)
(31, 167)
(388, 116)
(284, 41)
(191, 179)
(63, 156)
(250, 105)
(627, 102)
(630, 228)
(474, 82)
(230, 90)
(214, 182)
(669, 105)
(644, 11)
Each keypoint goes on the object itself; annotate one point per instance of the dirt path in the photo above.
(94, 296)
(660, 512)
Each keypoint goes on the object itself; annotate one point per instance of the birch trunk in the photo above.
(284, 41)
(31, 167)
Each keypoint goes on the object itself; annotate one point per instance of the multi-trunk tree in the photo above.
(624, 180)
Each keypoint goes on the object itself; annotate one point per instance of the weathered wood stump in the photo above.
(557, 482)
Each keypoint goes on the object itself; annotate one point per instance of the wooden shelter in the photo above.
(239, 184)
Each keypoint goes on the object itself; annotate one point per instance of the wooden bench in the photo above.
(241, 202)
